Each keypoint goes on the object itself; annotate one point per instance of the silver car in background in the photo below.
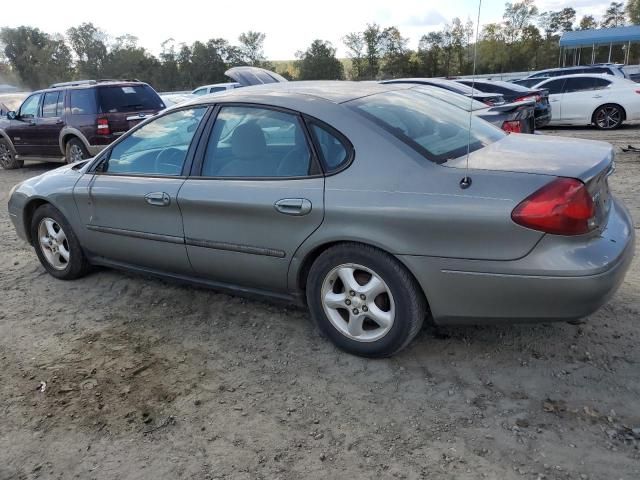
(355, 199)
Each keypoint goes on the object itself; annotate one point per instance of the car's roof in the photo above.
(583, 75)
(582, 67)
(335, 91)
(223, 84)
(81, 86)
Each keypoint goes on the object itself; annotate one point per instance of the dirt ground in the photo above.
(151, 380)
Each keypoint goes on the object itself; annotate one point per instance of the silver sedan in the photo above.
(375, 205)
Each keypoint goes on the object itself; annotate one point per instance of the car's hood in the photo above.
(248, 76)
(557, 156)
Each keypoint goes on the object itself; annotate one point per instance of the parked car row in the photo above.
(373, 204)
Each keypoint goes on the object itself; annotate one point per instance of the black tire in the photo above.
(8, 159)
(77, 265)
(408, 298)
(608, 117)
(75, 151)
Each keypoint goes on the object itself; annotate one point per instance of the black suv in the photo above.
(75, 119)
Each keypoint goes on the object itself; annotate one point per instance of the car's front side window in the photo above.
(158, 147)
(256, 142)
(29, 108)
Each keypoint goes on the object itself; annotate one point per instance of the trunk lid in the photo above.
(248, 76)
(590, 161)
(537, 154)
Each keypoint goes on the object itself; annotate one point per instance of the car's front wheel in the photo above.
(56, 245)
(364, 300)
(8, 159)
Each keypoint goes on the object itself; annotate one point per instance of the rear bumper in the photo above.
(563, 278)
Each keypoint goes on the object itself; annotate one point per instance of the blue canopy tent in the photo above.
(580, 39)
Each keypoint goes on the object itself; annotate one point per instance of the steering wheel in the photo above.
(170, 161)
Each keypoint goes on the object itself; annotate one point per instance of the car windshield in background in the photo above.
(436, 129)
(128, 98)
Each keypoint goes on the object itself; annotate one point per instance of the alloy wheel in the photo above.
(608, 117)
(76, 154)
(53, 243)
(358, 302)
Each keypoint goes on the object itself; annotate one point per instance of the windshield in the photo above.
(436, 129)
(128, 98)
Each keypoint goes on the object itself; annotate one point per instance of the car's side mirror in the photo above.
(11, 115)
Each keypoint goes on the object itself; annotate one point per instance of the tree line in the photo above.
(525, 39)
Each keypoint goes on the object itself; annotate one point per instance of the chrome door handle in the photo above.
(293, 206)
(597, 96)
(159, 199)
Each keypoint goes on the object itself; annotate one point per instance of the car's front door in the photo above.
(49, 123)
(23, 130)
(129, 204)
(582, 95)
(256, 197)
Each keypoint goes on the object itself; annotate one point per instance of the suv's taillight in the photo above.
(103, 127)
(512, 126)
(562, 207)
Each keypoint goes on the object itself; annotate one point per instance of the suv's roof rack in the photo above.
(119, 80)
(73, 83)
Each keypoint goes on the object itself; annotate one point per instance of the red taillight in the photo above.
(528, 98)
(637, 91)
(103, 127)
(512, 126)
(563, 207)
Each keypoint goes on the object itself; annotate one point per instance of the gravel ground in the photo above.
(146, 379)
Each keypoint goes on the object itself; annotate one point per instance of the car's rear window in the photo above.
(128, 98)
(437, 130)
(83, 101)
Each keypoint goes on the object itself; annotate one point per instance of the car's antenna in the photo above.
(466, 180)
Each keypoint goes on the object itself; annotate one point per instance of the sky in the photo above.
(289, 25)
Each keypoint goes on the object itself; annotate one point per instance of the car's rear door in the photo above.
(555, 89)
(129, 204)
(582, 95)
(256, 194)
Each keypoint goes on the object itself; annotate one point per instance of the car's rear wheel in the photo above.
(608, 117)
(8, 159)
(364, 300)
(75, 151)
(56, 245)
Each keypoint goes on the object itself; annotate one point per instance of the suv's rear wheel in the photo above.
(8, 158)
(75, 151)
(608, 117)
(364, 300)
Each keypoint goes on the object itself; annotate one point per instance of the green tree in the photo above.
(429, 53)
(614, 16)
(319, 62)
(88, 44)
(373, 38)
(588, 22)
(356, 52)
(252, 47)
(37, 57)
(396, 57)
(633, 11)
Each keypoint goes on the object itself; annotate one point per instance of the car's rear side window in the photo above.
(83, 101)
(334, 150)
(50, 104)
(437, 130)
(128, 98)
